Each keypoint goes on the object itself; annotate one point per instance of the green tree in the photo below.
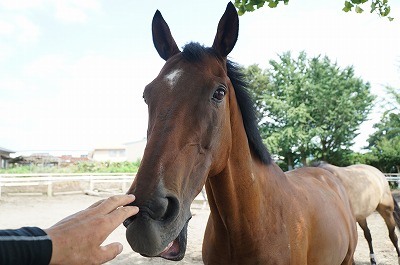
(340, 103)
(258, 80)
(311, 107)
(286, 126)
(381, 7)
(384, 143)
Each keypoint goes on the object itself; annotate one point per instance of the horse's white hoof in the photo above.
(372, 259)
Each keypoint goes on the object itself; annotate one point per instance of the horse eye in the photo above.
(219, 94)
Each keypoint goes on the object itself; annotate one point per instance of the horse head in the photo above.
(188, 136)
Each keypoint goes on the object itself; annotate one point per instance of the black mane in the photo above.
(195, 52)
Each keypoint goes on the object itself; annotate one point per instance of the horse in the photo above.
(368, 190)
(202, 130)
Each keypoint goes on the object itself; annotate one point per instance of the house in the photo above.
(5, 157)
(40, 159)
(69, 159)
(135, 150)
(131, 152)
(112, 154)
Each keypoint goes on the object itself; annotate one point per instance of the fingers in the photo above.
(116, 201)
(121, 214)
(110, 251)
(96, 204)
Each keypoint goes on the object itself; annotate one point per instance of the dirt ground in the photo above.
(17, 211)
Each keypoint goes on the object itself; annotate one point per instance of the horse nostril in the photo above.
(172, 208)
(163, 208)
(160, 209)
(128, 221)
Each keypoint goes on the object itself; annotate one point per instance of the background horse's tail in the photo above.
(396, 213)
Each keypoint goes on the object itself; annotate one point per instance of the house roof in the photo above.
(71, 159)
(136, 142)
(5, 150)
(110, 148)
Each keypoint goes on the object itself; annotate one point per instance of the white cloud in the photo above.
(5, 51)
(6, 27)
(19, 28)
(85, 103)
(69, 11)
(12, 84)
(46, 66)
(74, 11)
(28, 31)
(20, 4)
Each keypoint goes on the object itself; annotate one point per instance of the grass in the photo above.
(81, 167)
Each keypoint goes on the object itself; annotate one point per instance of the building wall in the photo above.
(110, 154)
(135, 150)
(3, 163)
(4, 157)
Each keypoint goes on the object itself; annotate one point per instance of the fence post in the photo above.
(123, 187)
(49, 189)
(91, 184)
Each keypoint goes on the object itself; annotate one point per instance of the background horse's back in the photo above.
(368, 190)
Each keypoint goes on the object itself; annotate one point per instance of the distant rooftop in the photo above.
(6, 150)
(110, 148)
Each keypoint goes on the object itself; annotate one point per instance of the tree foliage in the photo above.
(384, 143)
(381, 7)
(311, 108)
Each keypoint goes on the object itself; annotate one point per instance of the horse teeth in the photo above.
(168, 247)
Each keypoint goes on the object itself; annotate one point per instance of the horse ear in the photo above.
(162, 38)
(227, 32)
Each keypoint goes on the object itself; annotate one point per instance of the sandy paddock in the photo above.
(17, 211)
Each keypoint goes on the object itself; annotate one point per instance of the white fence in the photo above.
(21, 180)
(392, 176)
(49, 180)
(124, 179)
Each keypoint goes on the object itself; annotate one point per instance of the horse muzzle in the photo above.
(159, 229)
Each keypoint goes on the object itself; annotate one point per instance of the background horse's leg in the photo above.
(368, 237)
(396, 215)
(387, 213)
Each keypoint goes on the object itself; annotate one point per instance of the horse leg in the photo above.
(387, 213)
(368, 237)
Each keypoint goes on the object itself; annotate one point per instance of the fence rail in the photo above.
(392, 176)
(124, 179)
(20, 180)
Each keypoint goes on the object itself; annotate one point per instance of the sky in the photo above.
(72, 72)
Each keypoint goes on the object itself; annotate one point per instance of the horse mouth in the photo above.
(176, 249)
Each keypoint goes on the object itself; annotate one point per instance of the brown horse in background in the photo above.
(368, 190)
(202, 130)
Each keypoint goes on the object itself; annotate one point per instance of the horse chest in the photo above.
(248, 250)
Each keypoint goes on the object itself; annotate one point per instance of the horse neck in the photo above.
(246, 187)
(243, 195)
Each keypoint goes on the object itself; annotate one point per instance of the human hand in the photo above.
(77, 239)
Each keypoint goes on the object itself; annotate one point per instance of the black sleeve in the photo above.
(27, 245)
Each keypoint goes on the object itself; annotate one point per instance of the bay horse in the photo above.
(202, 130)
(368, 190)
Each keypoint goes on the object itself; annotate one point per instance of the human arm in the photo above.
(74, 240)
(26, 245)
(77, 239)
